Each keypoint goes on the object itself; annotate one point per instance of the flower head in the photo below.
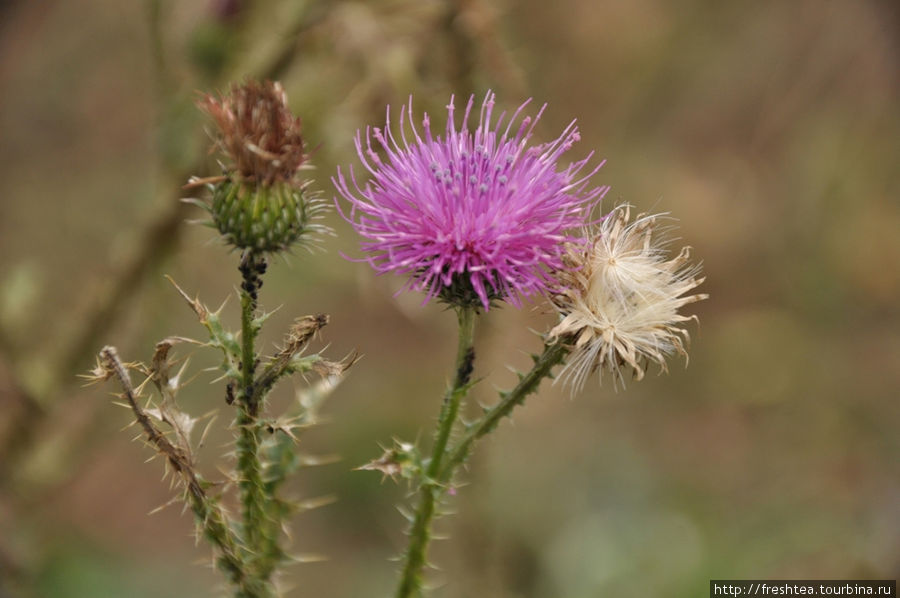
(620, 299)
(471, 216)
(261, 203)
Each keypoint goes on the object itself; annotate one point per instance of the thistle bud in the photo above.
(261, 202)
(260, 217)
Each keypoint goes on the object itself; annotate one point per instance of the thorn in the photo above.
(315, 503)
(308, 558)
(406, 513)
(195, 182)
(195, 304)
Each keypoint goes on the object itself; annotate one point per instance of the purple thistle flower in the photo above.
(472, 216)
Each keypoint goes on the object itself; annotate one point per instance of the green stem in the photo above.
(216, 530)
(420, 534)
(252, 490)
(248, 353)
(553, 354)
(465, 357)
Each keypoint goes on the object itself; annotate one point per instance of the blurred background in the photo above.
(770, 129)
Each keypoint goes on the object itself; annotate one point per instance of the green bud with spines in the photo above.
(266, 219)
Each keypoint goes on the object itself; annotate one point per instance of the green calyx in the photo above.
(460, 293)
(263, 218)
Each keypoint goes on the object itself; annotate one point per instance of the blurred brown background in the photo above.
(770, 129)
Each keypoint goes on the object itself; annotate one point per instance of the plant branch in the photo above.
(420, 533)
(283, 363)
(209, 516)
(543, 365)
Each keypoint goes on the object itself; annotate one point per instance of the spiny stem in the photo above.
(210, 517)
(251, 486)
(439, 474)
(553, 354)
(411, 579)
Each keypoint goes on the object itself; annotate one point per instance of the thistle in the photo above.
(261, 205)
(620, 299)
(472, 217)
(262, 202)
(619, 296)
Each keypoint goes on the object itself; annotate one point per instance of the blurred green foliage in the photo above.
(769, 129)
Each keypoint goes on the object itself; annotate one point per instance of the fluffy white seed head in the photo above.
(621, 296)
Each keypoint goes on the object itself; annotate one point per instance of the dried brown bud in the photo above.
(257, 131)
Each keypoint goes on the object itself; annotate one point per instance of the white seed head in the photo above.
(619, 300)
